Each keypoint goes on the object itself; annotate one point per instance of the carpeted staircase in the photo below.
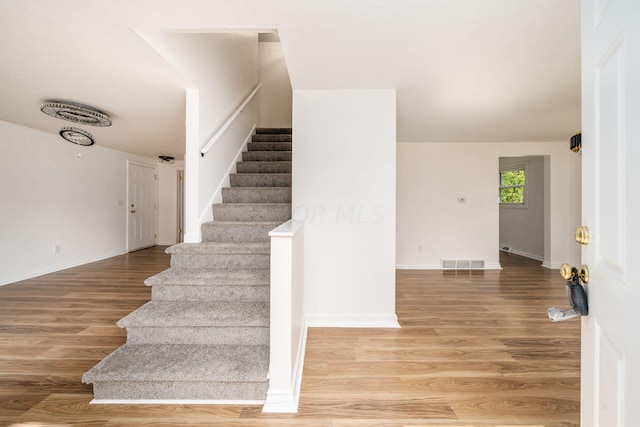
(205, 333)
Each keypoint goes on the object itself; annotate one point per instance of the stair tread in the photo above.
(183, 362)
(223, 247)
(167, 314)
(209, 277)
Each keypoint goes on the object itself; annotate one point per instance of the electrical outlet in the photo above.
(419, 248)
(56, 249)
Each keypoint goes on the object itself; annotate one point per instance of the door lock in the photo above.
(576, 279)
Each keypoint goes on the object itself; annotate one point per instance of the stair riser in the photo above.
(269, 146)
(253, 195)
(260, 180)
(279, 131)
(179, 390)
(263, 167)
(198, 335)
(236, 232)
(271, 138)
(234, 212)
(249, 261)
(266, 156)
(257, 293)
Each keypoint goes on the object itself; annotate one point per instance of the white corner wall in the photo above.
(50, 197)
(432, 224)
(168, 199)
(522, 227)
(275, 96)
(344, 174)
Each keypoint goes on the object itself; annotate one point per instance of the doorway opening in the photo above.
(523, 203)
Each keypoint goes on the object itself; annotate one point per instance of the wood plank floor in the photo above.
(475, 349)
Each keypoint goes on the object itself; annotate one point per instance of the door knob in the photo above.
(582, 235)
(133, 211)
(575, 292)
(583, 274)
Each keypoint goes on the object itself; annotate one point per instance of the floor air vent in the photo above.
(462, 264)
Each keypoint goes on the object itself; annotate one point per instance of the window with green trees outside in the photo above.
(512, 185)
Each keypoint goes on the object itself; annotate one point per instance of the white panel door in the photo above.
(141, 206)
(611, 211)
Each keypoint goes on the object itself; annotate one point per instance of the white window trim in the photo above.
(525, 201)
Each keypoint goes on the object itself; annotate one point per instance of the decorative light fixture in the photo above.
(166, 159)
(77, 113)
(575, 144)
(77, 136)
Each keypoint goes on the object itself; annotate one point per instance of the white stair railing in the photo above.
(230, 120)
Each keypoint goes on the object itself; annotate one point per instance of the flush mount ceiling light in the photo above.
(77, 113)
(77, 136)
(166, 159)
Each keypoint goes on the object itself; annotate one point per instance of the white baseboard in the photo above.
(173, 402)
(418, 267)
(352, 321)
(58, 267)
(526, 254)
(552, 265)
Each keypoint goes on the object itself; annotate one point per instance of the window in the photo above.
(512, 186)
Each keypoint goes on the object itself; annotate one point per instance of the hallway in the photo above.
(475, 349)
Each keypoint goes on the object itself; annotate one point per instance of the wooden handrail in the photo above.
(230, 120)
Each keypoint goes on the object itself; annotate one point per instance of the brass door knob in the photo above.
(582, 235)
(133, 211)
(566, 271)
(583, 274)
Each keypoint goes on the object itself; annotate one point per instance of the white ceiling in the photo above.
(464, 70)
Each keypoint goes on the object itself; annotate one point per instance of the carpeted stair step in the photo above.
(237, 232)
(182, 372)
(286, 131)
(269, 146)
(271, 137)
(263, 167)
(190, 284)
(252, 212)
(260, 179)
(256, 195)
(266, 156)
(222, 254)
(203, 323)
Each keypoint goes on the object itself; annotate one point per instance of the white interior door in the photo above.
(611, 171)
(141, 206)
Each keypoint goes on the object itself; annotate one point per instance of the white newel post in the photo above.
(287, 329)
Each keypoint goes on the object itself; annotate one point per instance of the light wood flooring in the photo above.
(475, 349)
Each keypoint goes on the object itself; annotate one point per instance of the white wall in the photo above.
(50, 196)
(344, 174)
(168, 199)
(431, 177)
(222, 69)
(275, 97)
(522, 227)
